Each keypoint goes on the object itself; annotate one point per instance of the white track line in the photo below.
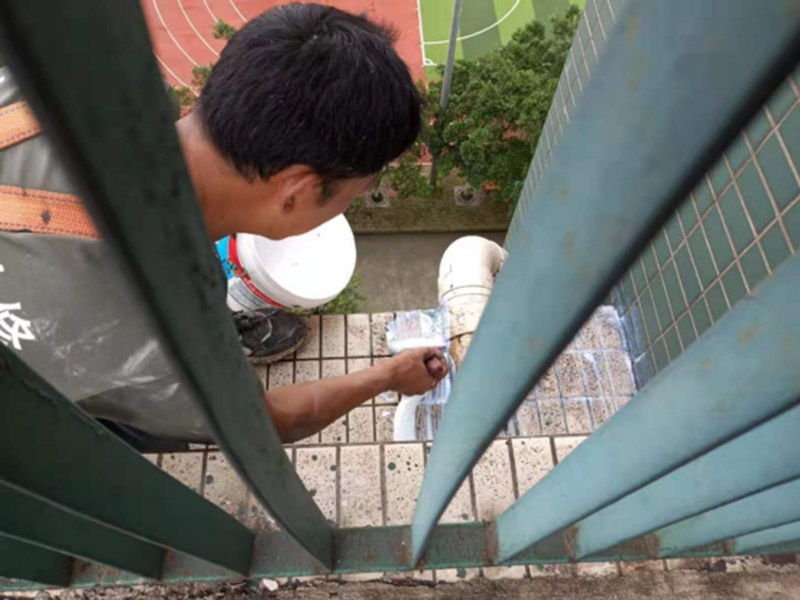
(236, 8)
(421, 36)
(171, 72)
(202, 39)
(208, 8)
(172, 37)
(484, 30)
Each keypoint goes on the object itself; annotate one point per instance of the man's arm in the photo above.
(303, 409)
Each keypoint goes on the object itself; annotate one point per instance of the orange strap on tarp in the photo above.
(38, 211)
(44, 212)
(17, 124)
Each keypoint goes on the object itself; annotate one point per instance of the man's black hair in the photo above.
(314, 85)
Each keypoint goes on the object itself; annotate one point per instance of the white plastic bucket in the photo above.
(302, 271)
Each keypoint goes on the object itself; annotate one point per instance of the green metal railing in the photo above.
(705, 457)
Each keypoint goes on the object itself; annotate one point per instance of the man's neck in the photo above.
(215, 181)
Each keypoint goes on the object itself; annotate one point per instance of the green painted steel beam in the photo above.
(739, 374)
(51, 448)
(376, 549)
(88, 69)
(783, 539)
(33, 519)
(763, 457)
(676, 83)
(773, 507)
(20, 560)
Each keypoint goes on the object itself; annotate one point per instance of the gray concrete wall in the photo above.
(399, 271)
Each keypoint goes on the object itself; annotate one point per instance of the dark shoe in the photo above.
(268, 334)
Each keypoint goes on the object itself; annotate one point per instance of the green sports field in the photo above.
(484, 25)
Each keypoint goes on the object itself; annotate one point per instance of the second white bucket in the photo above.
(303, 271)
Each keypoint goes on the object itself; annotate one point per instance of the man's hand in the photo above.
(417, 371)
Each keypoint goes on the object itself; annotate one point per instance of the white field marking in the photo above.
(169, 33)
(202, 39)
(425, 60)
(171, 72)
(238, 12)
(208, 8)
(484, 30)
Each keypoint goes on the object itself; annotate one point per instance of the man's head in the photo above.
(308, 103)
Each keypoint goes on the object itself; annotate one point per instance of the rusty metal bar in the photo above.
(375, 549)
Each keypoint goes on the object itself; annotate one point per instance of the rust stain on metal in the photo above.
(570, 537)
(727, 547)
(705, 364)
(748, 335)
(646, 545)
(402, 548)
(491, 544)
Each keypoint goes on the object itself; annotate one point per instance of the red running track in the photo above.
(181, 29)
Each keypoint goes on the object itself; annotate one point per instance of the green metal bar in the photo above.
(111, 120)
(378, 549)
(776, 540)
(26, 561)
(763, 457)
(676, 82)
(33, 519)
(50, 448)
(705, 398)
(771, 508)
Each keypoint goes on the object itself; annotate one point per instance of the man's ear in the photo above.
(296, 184)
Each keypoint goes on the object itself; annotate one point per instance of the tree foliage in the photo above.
(404, 175)
(498, 105)
(222, 31)
(185, 95)
(200, 75)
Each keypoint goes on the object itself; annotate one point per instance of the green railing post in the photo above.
(21, 560)
(676, 82)
(88, 70)
(739, 374)
(76, 470)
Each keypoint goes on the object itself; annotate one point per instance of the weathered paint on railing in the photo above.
(773, 507)
(764, 456)
(715, 391)
(90, 484)
(661, 97)
(111, 120)
(26, 561)
(676, 83)
(374, 549)
(29, 517)
(780, 539)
